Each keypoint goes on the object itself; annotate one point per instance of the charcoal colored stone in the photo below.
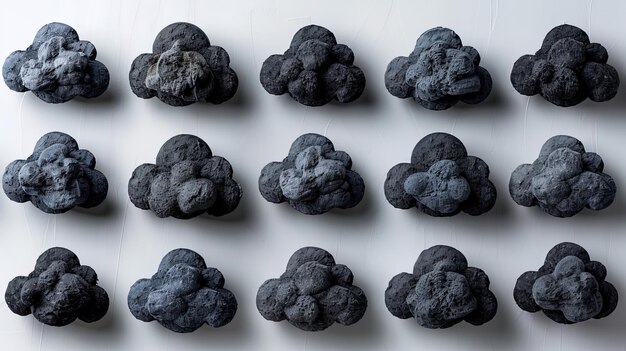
(569, 287)
(57, 177)
(563, 180)
(313, 178)
(183, 68)
(58, 291)
(439, 72)
(183, 294)
(186, 181)
(567, 69)
(313, 293)
(442, 291)
(57, 66)
(441, 180)
(314, 70)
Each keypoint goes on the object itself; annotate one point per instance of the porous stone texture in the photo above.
(314, 70)
(58, 291)
(439, 72)
(57, 66)
(563, 180)
(313, 178)
(313, 293)
(567, 69)
(568, 288)
(441, 180)
(183, 294)
(442, 291)
(183, 68)
(186, 181)
(57, 177)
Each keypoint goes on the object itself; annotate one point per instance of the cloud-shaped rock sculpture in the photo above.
(568, 288)
(183, 68)
(314, 70)
(567, 69)
(313, 178)
(57, 66)
(441, 180)
(563, 180)
(439, 72)
(442, 291)
(57, 177)
(183, 294)
(59, 291)
(313, 293)
(186, 181)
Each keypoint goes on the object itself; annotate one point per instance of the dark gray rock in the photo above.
(442, 291)
(58, 291)
(186, 181)
(441, 180)
(183, 295)
(313, 178)
(568, 288)
(57, 177)
(314, 70)
(567, 69)
(439, 72)
(57, 66)
(183, 68)
(313, 293)
(563, 180)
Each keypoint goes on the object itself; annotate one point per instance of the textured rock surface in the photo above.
(57, 66)
(563, 180)
(186, 181)
(441, 180)
(56, 177)
(58, 291)
(567, 69)
(568, 288)
(313, 293)
(183, 68)
(313, 178)
(442, 291)
(314, 70)
(439, 72)
(183, 295)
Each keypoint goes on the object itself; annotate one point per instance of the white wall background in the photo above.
(254, 243)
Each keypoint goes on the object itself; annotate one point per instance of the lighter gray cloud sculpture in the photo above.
(186, 181)
(57, 67)
(568, 288)
(567, 69)
(442, 291)
(314, 70)
(563, 180)
(59, 291)
(313, 293)
(439, 72)
(313, 178)
(183, 295)
(441, 180)
(183, 68)
(57, 177)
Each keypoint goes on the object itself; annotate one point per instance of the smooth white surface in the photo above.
(123, 243)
